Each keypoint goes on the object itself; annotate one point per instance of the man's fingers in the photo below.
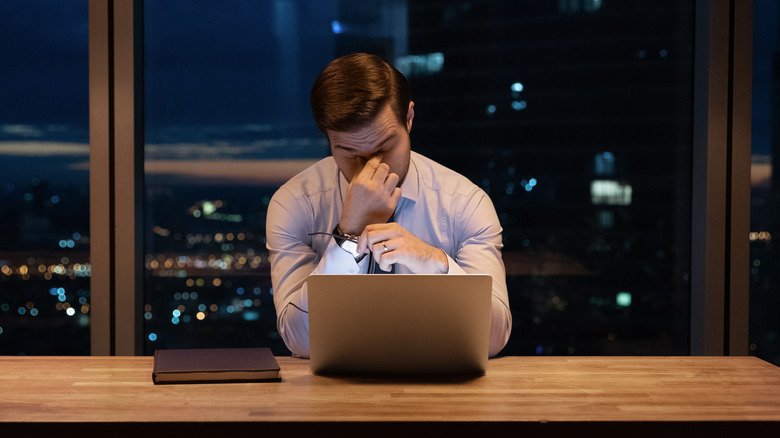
(385, 266)
(374, 234)
(379, 248)
(380, 175)
(362, 244)
(392, 181)
(395, 196)
(369, 169)
(386, 259)
(364, 240)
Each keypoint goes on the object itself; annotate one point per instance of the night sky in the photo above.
(235, 72)
(228, 72)
(765, 42)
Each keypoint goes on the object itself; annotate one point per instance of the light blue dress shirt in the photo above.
(438, 205)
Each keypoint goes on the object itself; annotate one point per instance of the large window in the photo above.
(44, 184)
(227, 122)
(575, 116)
(765, 198)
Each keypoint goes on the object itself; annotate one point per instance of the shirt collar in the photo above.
(409, 188)
(411, 185)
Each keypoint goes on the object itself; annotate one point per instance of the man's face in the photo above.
(384, 136)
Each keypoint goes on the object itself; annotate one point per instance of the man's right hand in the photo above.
(371, 197)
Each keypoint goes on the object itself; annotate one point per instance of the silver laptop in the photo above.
(399, 324)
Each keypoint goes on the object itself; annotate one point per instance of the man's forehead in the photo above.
(378, 130)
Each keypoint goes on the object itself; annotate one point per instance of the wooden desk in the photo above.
(551, 394)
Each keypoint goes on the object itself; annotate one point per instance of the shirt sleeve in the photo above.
(479, 252)
(292, 261)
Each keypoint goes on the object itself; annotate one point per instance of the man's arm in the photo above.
(479, 232)
(477, 229)
(292, 261)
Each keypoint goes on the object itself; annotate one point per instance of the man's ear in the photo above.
(409, 116)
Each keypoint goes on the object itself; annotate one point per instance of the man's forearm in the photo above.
(293, 325)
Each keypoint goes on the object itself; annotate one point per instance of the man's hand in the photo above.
(391, 243)
(371, 197)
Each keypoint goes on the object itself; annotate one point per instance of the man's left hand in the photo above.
(391, 243)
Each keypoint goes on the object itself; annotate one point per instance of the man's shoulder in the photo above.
(436, 176)
(321, 176)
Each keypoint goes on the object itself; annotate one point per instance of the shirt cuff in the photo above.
(337, 261)
(453, 267)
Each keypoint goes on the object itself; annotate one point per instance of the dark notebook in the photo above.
(215, 365)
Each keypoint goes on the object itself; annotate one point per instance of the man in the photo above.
(440, 222)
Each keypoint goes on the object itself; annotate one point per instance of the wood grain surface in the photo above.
(515, 389)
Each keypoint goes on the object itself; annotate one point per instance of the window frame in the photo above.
(720, 176)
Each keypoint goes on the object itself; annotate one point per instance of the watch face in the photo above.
(350, 247)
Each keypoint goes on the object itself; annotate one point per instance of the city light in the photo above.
(251, 316)
(610, 192)
(604, 163)
(160, 231)
(208, 207)
(519, 105)
(623, 299)
(760, 236)
(529, 184)
(420, 65)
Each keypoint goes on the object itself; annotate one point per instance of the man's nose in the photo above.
(364, 159)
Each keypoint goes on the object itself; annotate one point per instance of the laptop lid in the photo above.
(390, 324)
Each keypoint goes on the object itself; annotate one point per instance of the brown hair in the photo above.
(352, 89)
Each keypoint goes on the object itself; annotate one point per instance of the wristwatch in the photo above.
(348, 242)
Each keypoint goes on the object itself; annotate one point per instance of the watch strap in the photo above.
(342, 238)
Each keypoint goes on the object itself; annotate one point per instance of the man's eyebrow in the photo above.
(346, 148)
(388, 138)
(381, 143)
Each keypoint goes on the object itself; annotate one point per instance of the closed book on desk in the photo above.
(215, 365)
